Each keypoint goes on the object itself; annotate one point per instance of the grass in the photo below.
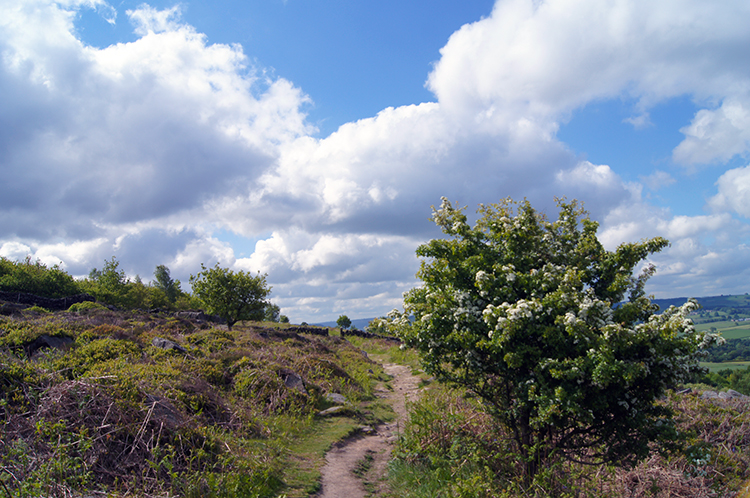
(451, 448)
(731, 365)
(364, 465)
(728, 329)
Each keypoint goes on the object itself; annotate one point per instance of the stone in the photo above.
(162, 410)
(730, 394)
(47, 341)
(294, 381)
(336, 398)
(161, 343)
(334, 410)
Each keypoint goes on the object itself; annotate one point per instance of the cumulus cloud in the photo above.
(733, 192)
(658, 180)
(146, 150)
(705, 255)
(716, 135)
(131, 132)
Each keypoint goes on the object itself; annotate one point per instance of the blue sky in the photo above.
(309, 139)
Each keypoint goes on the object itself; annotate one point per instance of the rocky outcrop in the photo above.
(292, 380)
(728, 394)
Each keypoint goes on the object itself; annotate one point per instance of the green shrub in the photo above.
(86, 306)
(34, 277)
(212, 340)
(264, 387)
(37, 309)
(19, 380)
(78, 361)
(15, 333)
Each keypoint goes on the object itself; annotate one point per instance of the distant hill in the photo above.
(359, 323)
(710, 302)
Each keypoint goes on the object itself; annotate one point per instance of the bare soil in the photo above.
(357, 467)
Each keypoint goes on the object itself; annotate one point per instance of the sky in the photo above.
(309, 140)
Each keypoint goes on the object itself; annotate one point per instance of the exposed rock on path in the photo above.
(367, 454)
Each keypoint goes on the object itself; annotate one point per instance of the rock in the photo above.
(687, 390)
(366, 429)
(162, 410)
(293, 381)
(730, 394)
(309, 330)
(47, 341)
(161, 343)
(334, 410)
(725, 395)
(336, 398)
(198, 316)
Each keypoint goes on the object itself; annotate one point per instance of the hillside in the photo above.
(97, 402)
(740, 301)
(132, 403)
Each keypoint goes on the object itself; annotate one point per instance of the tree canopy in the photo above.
(343, 322)
(36, 278)
(551, 330)
(233, 296)
(164, 281)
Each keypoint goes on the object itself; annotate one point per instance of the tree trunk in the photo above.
(529, 454)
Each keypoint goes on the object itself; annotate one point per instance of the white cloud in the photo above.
(16, 251)
(658, 180)
(598, 185)
(148, 20)
(132, 132)
(716, 135)
(146, 149)
(542, 60)
(640, 121)
(705, 256)
(734, 192)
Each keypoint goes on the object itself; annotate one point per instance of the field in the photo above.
(725, 365)
(728, 329)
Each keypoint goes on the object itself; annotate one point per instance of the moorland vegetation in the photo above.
(101, 402)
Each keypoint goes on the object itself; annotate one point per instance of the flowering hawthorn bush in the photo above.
(551, 330)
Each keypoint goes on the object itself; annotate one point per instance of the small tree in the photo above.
(110, 284)
(164, 281)
(344, 322)
(232, 296)
(528, 314)
(271, 313)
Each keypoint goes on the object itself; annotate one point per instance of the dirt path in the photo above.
(356, 468)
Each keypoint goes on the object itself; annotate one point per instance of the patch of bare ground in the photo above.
(357, 467)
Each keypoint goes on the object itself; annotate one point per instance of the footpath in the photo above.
(357, 467)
